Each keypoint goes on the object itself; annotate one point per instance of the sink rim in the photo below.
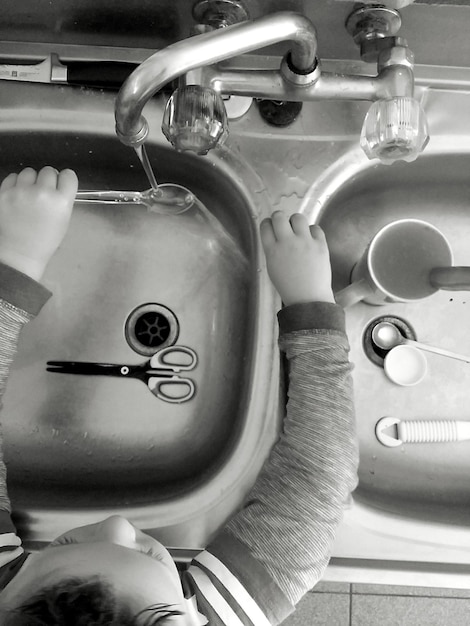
(354, 162)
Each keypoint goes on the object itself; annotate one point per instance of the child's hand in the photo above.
(297, 259)
(35, 210)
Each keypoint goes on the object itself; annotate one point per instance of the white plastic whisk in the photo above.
(420, 431)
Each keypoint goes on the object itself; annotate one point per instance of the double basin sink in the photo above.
(79, 447)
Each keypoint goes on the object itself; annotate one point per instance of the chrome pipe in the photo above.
(396, 81)
(392, 81)
(270, 85)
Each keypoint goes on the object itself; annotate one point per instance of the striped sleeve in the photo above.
(277, 546)
(12, 555)
(11, 323)
(20, 299)
(222, 596)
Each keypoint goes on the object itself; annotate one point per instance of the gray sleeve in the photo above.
(12, 321)
(21, 298)
(289, 520)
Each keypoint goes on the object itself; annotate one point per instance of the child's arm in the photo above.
(35, 211)
(277, 547)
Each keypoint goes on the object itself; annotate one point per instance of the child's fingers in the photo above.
(317, 233)
(299, 224)
(47, 177)
(9, 182)
(281, 225)
(67, 182)
(267, 233)
(27, 176)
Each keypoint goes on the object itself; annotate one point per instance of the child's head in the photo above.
(102, 574)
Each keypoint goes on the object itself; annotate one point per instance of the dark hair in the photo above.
(78, 602)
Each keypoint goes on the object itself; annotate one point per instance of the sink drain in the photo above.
(373, 352)
(151, 327)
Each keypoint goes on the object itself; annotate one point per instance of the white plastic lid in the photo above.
(405, 365)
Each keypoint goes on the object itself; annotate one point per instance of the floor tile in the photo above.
(404, 590)
(377, 610)
(332, 587)
(321, 609)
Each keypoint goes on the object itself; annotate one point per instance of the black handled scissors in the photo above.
(160, 372)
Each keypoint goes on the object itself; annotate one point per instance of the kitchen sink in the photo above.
(426, 481)
(408, 520)
(76, 445)
(80, 448)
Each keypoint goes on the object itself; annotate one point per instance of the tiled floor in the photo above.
(342, 604)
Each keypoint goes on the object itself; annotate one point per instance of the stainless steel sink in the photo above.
(408, 522)
(76, 445)
(424, 481)
(80, 449)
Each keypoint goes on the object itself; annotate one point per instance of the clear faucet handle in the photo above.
(195, 119)
(394, 129)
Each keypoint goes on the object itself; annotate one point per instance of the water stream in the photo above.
(171, 199)
(142, 155)
(199, 214)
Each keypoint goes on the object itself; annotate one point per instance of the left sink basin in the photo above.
(84, 442)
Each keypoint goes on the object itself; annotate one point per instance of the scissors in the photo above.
(160, 372)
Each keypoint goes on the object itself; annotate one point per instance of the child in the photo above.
(277, 546)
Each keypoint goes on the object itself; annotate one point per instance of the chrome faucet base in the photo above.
(373, 21)
(219, 13)
(373, 28)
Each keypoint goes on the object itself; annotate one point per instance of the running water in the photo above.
(217, 235)
(170, 200)
(144, 159)
(167, 194)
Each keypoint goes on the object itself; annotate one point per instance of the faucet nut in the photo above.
(134, 139)
(219, 13)
(396, 55)
(300, 78)
(372, 21)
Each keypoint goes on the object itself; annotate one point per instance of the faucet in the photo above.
(394, 129)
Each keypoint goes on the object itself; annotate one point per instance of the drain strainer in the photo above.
(373, 352)
(151, 327)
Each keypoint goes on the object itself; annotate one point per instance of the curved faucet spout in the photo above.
(206, 49)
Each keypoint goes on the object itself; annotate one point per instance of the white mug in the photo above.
(406, 260)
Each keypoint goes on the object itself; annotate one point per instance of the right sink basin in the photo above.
(421, 481)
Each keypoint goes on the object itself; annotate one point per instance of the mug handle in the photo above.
(353, 293)
(455, 278)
